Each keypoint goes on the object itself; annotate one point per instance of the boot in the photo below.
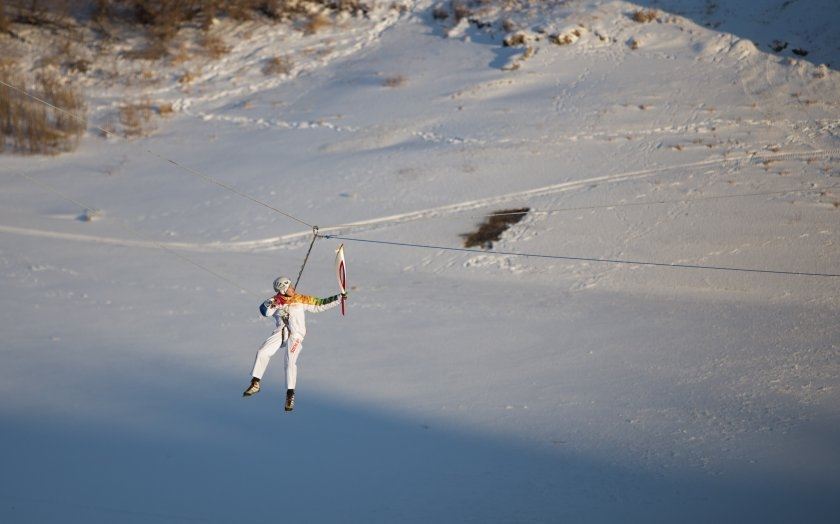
(253, 389)
(290, 400)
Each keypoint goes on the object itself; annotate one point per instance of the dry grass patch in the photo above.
(562, 39)
(492, 228)
(187, 77)
(567, 37)
(394, 81)
(214, 45)
(514, 40)
(154, 50)
(29, 127)
(136, 119)
(644, 16)
(5, 23)
(278, 65)
(460, 10)
(165, 109)
(316, 22)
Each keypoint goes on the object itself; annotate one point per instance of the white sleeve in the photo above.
(267, 308)
(328, 303)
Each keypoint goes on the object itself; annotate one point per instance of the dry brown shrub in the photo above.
(187, 77)
(108, 127)
(39, 13)
(165, 109)
(644, 16)
(80, 65)
(30, 127)
(492, 228)
(136, 119)
(460, 10)
(5, 23)
(278, 65)
(515, 39)
(394, 81)
(154, 50)
(214, 45)
(316, 22)
(561, 39)
(181, 55)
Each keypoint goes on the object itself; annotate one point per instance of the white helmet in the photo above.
(282, 284)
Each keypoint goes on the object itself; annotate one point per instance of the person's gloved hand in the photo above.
(268, 304)
(343, 295)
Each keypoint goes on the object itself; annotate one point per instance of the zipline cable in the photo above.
(186, 169)
(584, 259)
(135, 233)
(306, 258)
(653, 202)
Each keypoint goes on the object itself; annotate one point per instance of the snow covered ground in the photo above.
(460, 386)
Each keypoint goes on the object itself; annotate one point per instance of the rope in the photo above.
(315, 235)
(585, 259)
(654, 202)
(189, 170)
(134, 232)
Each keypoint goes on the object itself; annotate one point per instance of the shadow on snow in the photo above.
(221, 458)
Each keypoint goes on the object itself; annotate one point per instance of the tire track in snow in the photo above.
(374, 223)
(244, 246)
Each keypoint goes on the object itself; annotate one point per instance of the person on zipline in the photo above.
(288, 308)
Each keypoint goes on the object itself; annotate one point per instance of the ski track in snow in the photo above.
(450, 209)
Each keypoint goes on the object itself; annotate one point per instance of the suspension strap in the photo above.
(306, 258)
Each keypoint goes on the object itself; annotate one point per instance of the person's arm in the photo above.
(316, 305)
(268, 308)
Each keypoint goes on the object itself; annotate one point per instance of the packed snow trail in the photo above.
(449, 209)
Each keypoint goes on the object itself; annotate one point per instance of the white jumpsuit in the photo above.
(289, 319)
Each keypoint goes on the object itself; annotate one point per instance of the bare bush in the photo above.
(562, 40)
(567, 37)
(644, 16)
(214, 45)
(38, 13)
(162, 20)
(165, 109)
(5, 23)
(460, 10)
(492, 228)
(153, 50)
(136, 119)
(30, 127)
(316, 22)
(187, 77)
(394, 81)
(278, 65)
(515, 39)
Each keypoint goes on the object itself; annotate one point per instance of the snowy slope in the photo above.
(460, 386)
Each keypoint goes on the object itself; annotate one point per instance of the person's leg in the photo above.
(293, 349)
(266, 351)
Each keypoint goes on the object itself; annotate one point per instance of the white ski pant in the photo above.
(292, 347)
